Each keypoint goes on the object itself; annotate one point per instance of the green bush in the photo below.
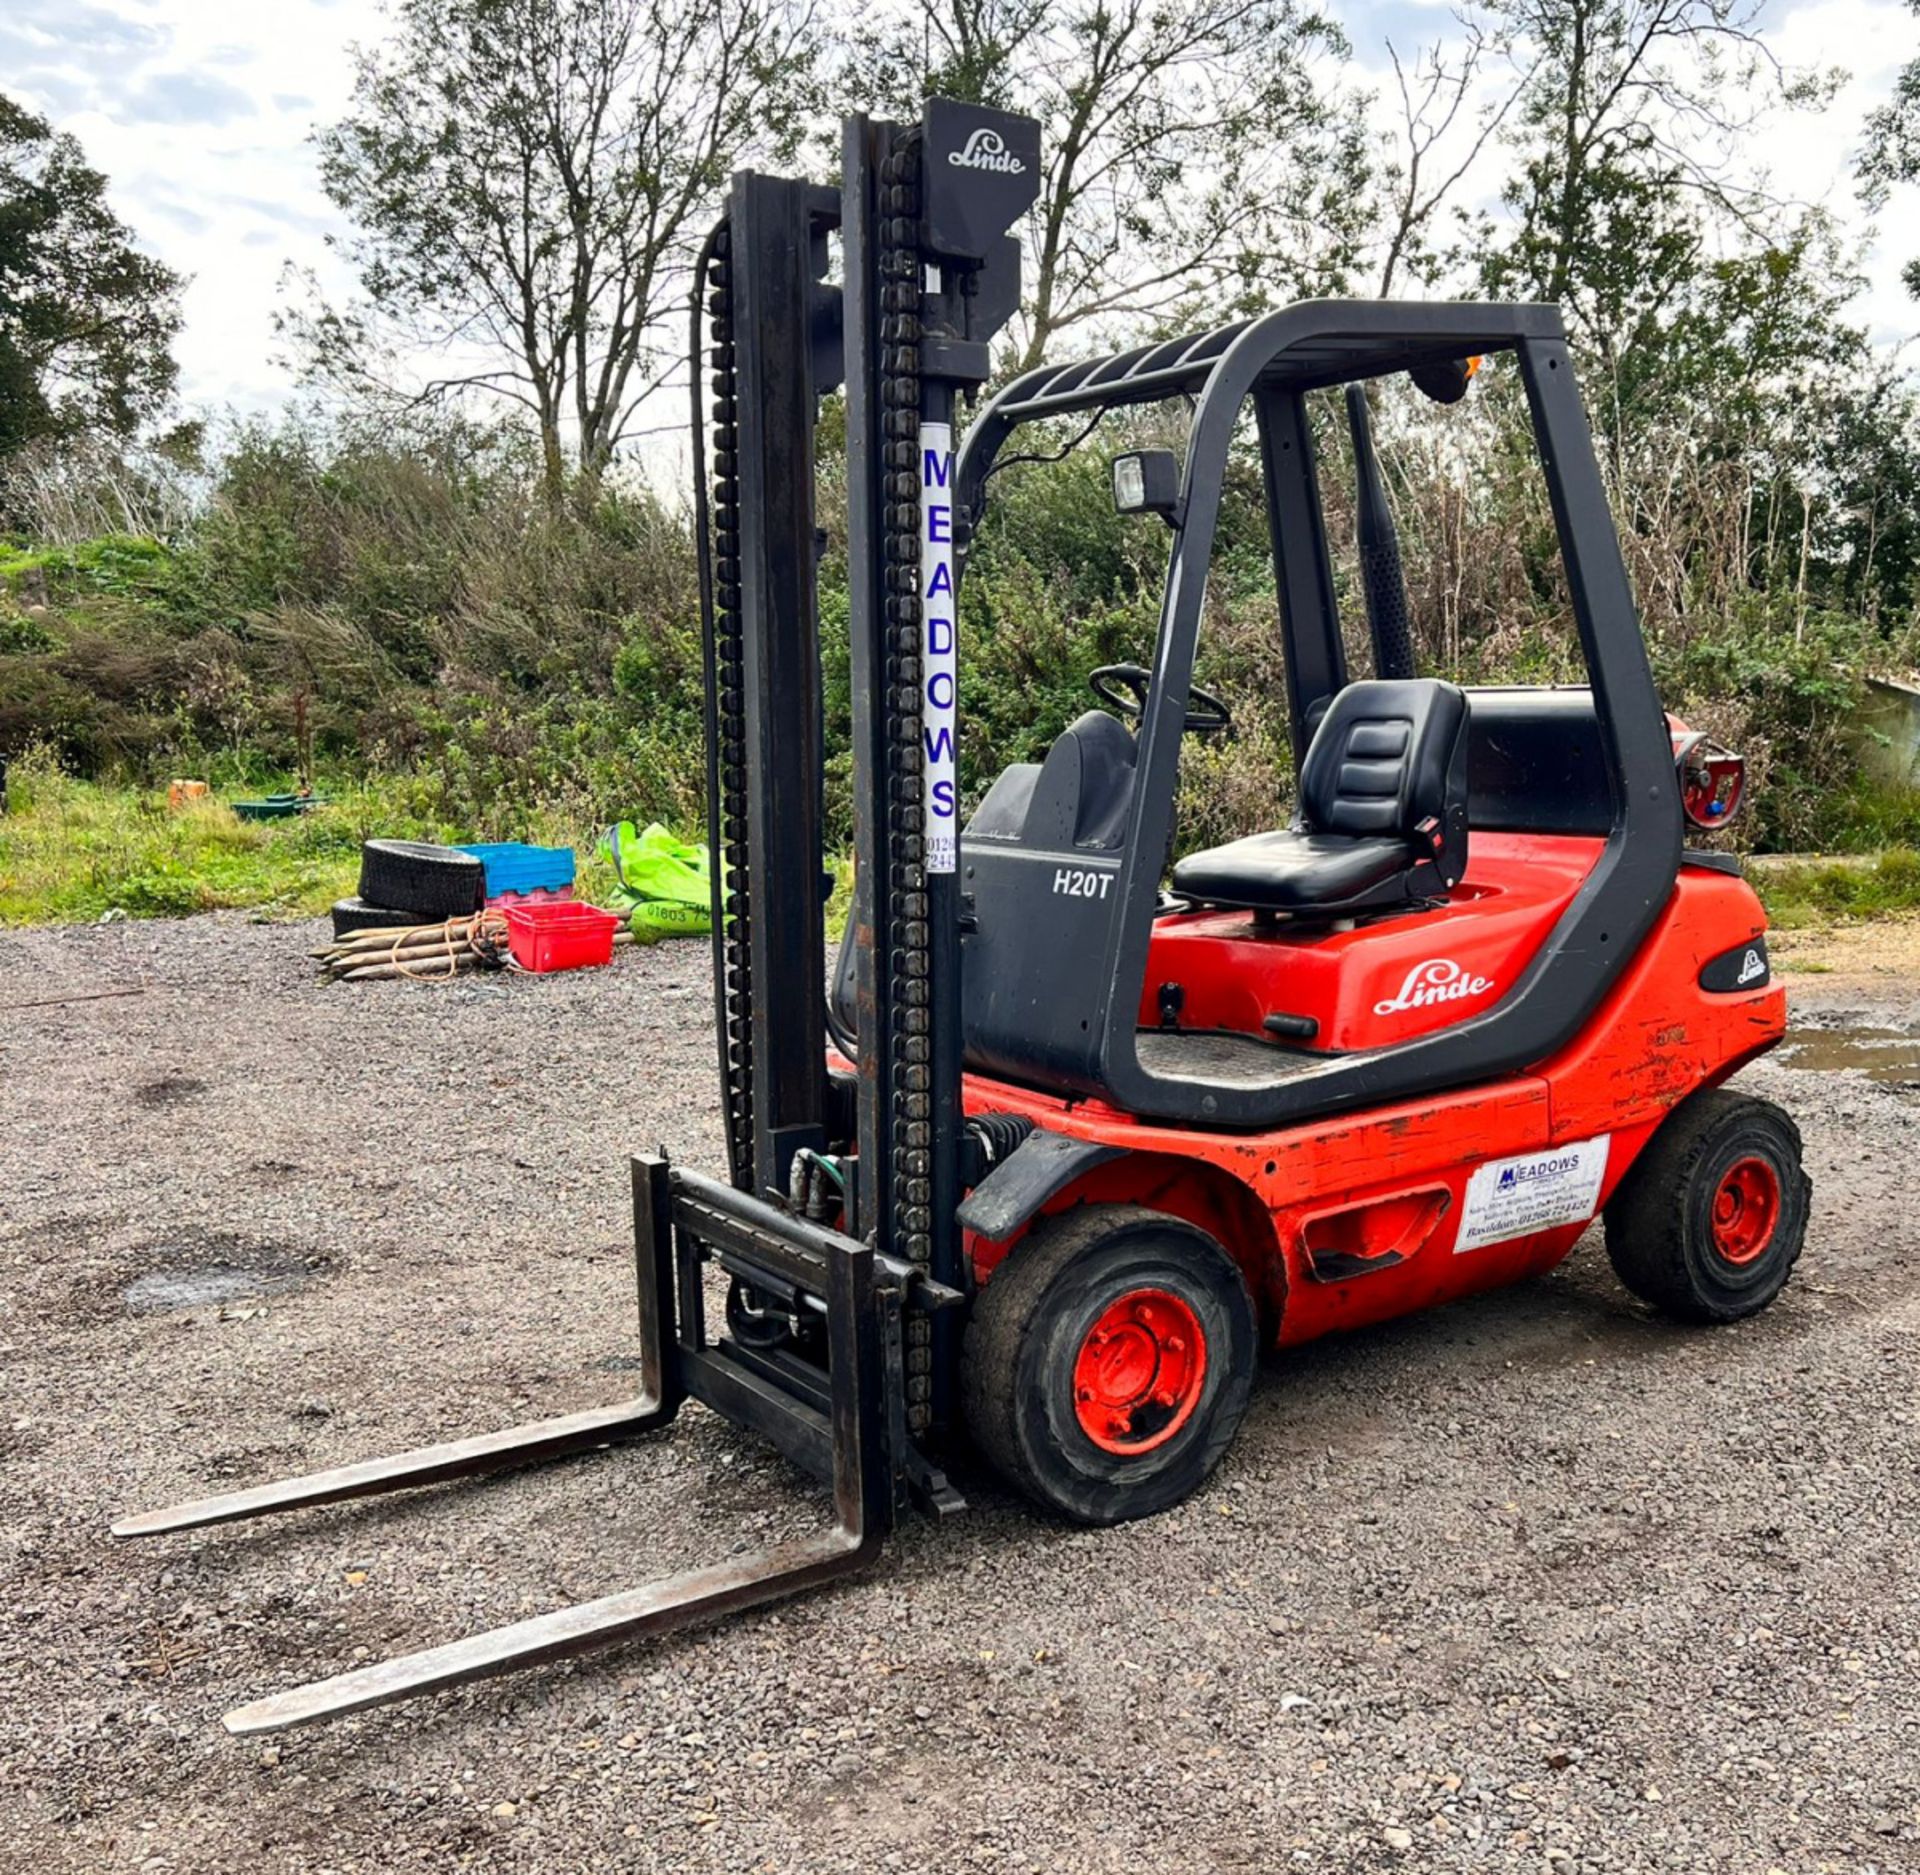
(24, 636)
(355, 605)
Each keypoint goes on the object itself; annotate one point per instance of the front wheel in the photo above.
(1108, 1362)
(1709, 1221)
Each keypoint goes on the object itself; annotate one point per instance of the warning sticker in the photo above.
(1516, 1197)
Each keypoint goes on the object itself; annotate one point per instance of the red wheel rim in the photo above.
(1139, 1372)
(1746, 1207)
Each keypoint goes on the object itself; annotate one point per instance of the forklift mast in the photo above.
(929, 274)
(849, 1389)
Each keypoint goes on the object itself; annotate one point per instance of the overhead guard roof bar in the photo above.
(1316, 343)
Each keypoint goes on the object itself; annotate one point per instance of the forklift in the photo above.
(1070, 1135)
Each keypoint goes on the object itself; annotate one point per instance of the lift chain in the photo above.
(728, 730)
(903, 891)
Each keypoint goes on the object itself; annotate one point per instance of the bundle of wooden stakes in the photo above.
(429, 953)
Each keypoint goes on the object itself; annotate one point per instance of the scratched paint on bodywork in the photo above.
(1659, 1035)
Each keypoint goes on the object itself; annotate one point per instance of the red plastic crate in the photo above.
(560, 935)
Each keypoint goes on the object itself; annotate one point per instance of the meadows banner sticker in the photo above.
(1535, 1191)
(939, 652)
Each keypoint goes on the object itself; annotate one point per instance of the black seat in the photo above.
(1383, 812)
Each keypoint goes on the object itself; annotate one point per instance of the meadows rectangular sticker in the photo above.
(1533, 1191)
(939, 651)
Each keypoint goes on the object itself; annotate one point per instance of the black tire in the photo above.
(432, 882)
(1032, 1324)
(355, 914)
(1664, 1238)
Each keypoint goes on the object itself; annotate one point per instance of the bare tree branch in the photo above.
(1190, 151)
(532, 178)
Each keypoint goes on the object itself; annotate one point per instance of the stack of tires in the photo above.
(408, 882)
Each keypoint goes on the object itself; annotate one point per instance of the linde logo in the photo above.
(1438, 980)
(987, 149)
(1751, 965)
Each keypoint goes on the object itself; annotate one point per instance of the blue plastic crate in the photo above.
(512, 866)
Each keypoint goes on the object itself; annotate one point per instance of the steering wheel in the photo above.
(1124, 687)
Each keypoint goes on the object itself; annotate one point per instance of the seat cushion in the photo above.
(1290, 871)
(1383, 812)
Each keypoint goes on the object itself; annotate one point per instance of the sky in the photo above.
(201, 112)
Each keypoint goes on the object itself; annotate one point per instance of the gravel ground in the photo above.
(1536, 1582)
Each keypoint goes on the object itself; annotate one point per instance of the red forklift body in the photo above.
(1353, 1219)
(1378, 983)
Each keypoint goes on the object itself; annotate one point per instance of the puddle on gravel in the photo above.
(247, 1272)
(197, 1289)
(1890, 1057)
(171, 1090)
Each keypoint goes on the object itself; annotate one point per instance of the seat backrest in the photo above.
(1388, 754)
(1077, 797)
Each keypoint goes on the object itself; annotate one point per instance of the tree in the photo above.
(1865, 431)
(86, 320)
(1630, 126)
(1892, 153)
(1702, 300)
(529, 181)
(1428, 154)
(1190, 157)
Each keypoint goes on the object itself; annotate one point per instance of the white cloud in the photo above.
(192, 98)
(1812, 154)
(199, 113)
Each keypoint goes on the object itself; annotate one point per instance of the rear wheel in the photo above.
(1108, 1362)
(1708, 1223)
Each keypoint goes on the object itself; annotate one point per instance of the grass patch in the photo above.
(128, 564)
(71, 851)
(1823, 891)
